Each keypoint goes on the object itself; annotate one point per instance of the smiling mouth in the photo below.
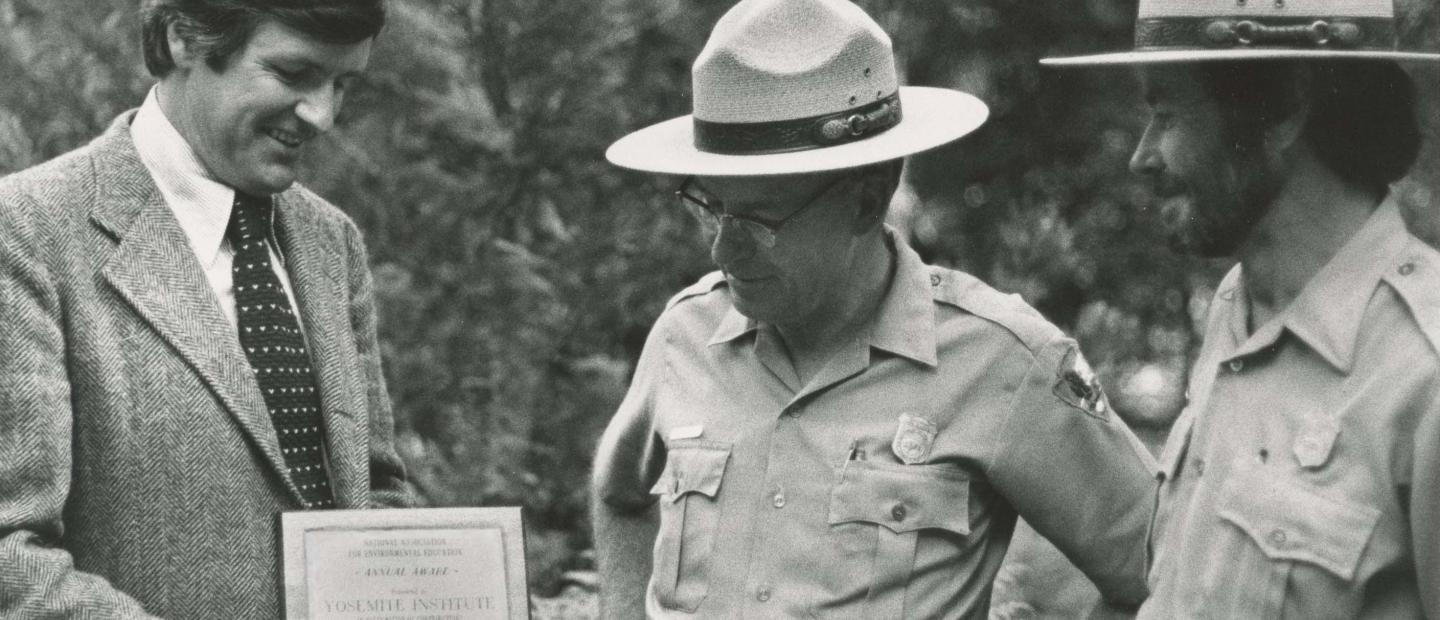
(289, 139)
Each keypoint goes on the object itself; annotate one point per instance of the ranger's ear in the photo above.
(875, 191)
(1281, 136)
(873, 201)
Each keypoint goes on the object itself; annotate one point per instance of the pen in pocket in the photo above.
(853, 454)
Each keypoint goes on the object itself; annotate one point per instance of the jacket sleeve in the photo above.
(388, 486)
(37, 575)
(1077, 474)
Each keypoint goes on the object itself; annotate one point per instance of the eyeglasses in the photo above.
(710, 212)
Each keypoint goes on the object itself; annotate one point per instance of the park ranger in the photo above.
(1303, 478)
(828, 427)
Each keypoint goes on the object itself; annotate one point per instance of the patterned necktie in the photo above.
(271, 337)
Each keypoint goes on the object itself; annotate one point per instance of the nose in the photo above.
(1147, 158)
(319, 107)
(731, 244)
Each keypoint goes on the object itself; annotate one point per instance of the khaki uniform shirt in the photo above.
(888, 486)
(1303, 479)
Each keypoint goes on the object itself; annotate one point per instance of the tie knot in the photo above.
(249, 218)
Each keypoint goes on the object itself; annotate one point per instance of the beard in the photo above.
(1213, 216)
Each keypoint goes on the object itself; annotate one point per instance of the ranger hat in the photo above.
(1199, 30)
(791, 86)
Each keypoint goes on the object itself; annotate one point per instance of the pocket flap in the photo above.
(692, 468)
(902, 498)
(1290, 522)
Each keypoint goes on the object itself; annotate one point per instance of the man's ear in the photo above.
(1281, 136)
(874, 193)
(181, 53)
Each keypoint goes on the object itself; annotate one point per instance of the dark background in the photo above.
(518, 272)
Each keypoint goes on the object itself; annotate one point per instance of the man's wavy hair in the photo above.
(217, 29)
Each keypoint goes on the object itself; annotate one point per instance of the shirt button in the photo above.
(898, 512)
(1407, 269)
(1277, 536)
(778, 501)
(1199, 467)
(762, 593)
(1236, 365)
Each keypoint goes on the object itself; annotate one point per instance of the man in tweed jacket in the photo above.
(141, 474)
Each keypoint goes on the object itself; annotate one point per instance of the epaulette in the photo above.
(1009, 311)
(704, 285)
(1416, 277)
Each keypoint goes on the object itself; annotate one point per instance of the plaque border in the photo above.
(507, 519)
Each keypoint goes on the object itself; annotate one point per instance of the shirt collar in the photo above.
(904, 324)
(732, 326)
(200, 203)
(1327, 313)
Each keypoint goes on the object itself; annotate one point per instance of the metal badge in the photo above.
(914, 436)
(1315, 440)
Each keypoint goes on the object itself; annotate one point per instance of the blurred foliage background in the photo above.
(518, 272)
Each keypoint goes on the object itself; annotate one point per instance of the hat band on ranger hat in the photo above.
(800, 134)
(1189, 33)
(1169, 31)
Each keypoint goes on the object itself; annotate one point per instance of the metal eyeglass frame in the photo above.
(763, 231)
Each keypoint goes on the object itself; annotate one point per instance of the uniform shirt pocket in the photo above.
(1291, 548)
(1290, 522)
(878, 511)
(688, 489)
(693, 467)
(902, 498)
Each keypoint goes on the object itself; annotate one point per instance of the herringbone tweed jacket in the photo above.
(139, 472)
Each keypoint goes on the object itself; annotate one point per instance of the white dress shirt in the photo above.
(201, 204)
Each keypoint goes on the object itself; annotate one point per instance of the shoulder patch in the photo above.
(1417, 280)
(1077, 385)
(704, 285)
(1009, 311)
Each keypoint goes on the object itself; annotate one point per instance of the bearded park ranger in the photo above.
(827, 426)
(1303, 478)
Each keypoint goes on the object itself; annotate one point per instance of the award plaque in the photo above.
(397, 564)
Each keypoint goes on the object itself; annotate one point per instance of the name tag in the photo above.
(686, 432)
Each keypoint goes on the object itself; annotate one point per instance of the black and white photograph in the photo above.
(721, 309)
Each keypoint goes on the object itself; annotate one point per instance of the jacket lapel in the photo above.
(154, 269)
(314, 260)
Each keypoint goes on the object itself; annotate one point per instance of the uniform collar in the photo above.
(1327, 314)
(733, 326)
(904, 324)
(200, 203)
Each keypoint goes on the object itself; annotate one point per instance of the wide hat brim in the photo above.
(1147, 57)
(931, 117)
